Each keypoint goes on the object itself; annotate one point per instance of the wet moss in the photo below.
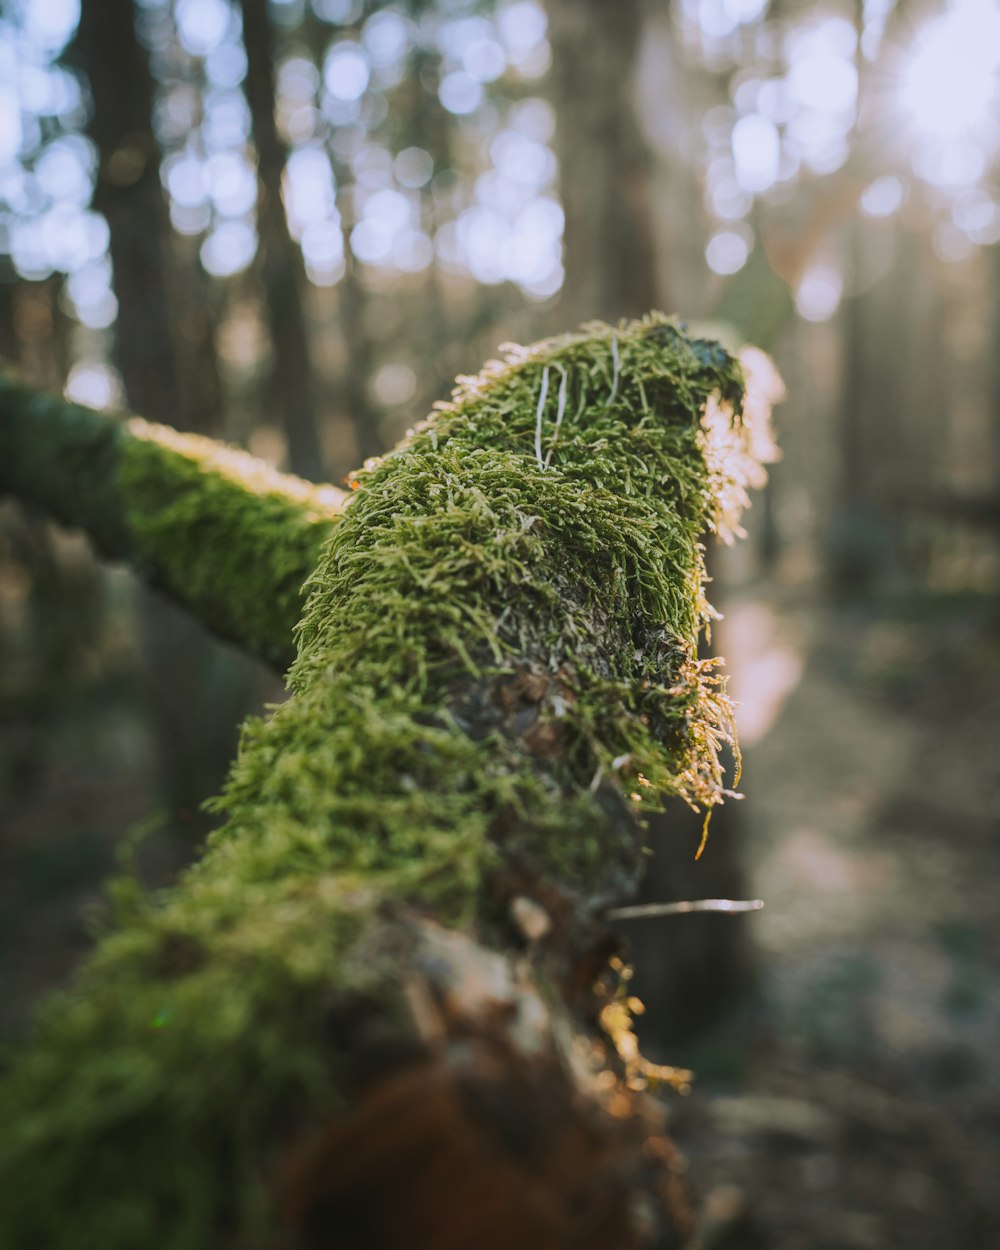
(546, 521)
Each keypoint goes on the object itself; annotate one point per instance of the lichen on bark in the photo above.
(496, 674)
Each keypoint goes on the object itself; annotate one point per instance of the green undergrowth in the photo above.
(149, 1110)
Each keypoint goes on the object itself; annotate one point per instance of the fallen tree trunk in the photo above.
(384, 1009)
(216, 529)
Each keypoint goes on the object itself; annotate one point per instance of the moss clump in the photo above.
(219, 529)
(547, 521)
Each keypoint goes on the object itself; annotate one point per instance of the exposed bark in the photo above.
(170, 505)
(280, 262)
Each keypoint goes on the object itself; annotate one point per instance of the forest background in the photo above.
(290, 225)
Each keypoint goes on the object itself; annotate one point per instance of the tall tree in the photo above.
(128, 193)
(351, 393)
(8, 329)
(994, 368)
(280, 261)
(605, 163)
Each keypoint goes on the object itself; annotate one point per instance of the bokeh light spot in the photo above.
(819, 292)
(346, 71)
(882, 197)
(756, 152)
(727, 251)
(202, 24)
(95, 384)
(394, 384)
(229, 249)
(460, 93)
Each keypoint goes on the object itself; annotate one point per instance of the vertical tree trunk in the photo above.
(353, 302)
(8, 331)
(129, 195)
(182, 661)
(280, 261)
(351, 392)
(849, 555)
(195, 307)
(605, 164)
(993, 369)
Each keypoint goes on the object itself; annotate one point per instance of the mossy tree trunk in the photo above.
(215, 529)
(385, 1008)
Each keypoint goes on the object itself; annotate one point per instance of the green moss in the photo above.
(224, 533)
(144, 1115)
(150, 1109)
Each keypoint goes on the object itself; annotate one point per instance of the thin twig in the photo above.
(648, 911)
(538, 417)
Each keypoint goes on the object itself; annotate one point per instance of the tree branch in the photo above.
(230, 538)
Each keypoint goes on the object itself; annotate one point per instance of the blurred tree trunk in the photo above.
(8, 332)
(195, 316)
(279, 260)
(850, 551)
(129, 195)
(426, 126)
(994, 367)
(351, 390)
(182, 662)
(605, 163)
(353, 304)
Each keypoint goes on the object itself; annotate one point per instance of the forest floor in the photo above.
(854, 1099)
